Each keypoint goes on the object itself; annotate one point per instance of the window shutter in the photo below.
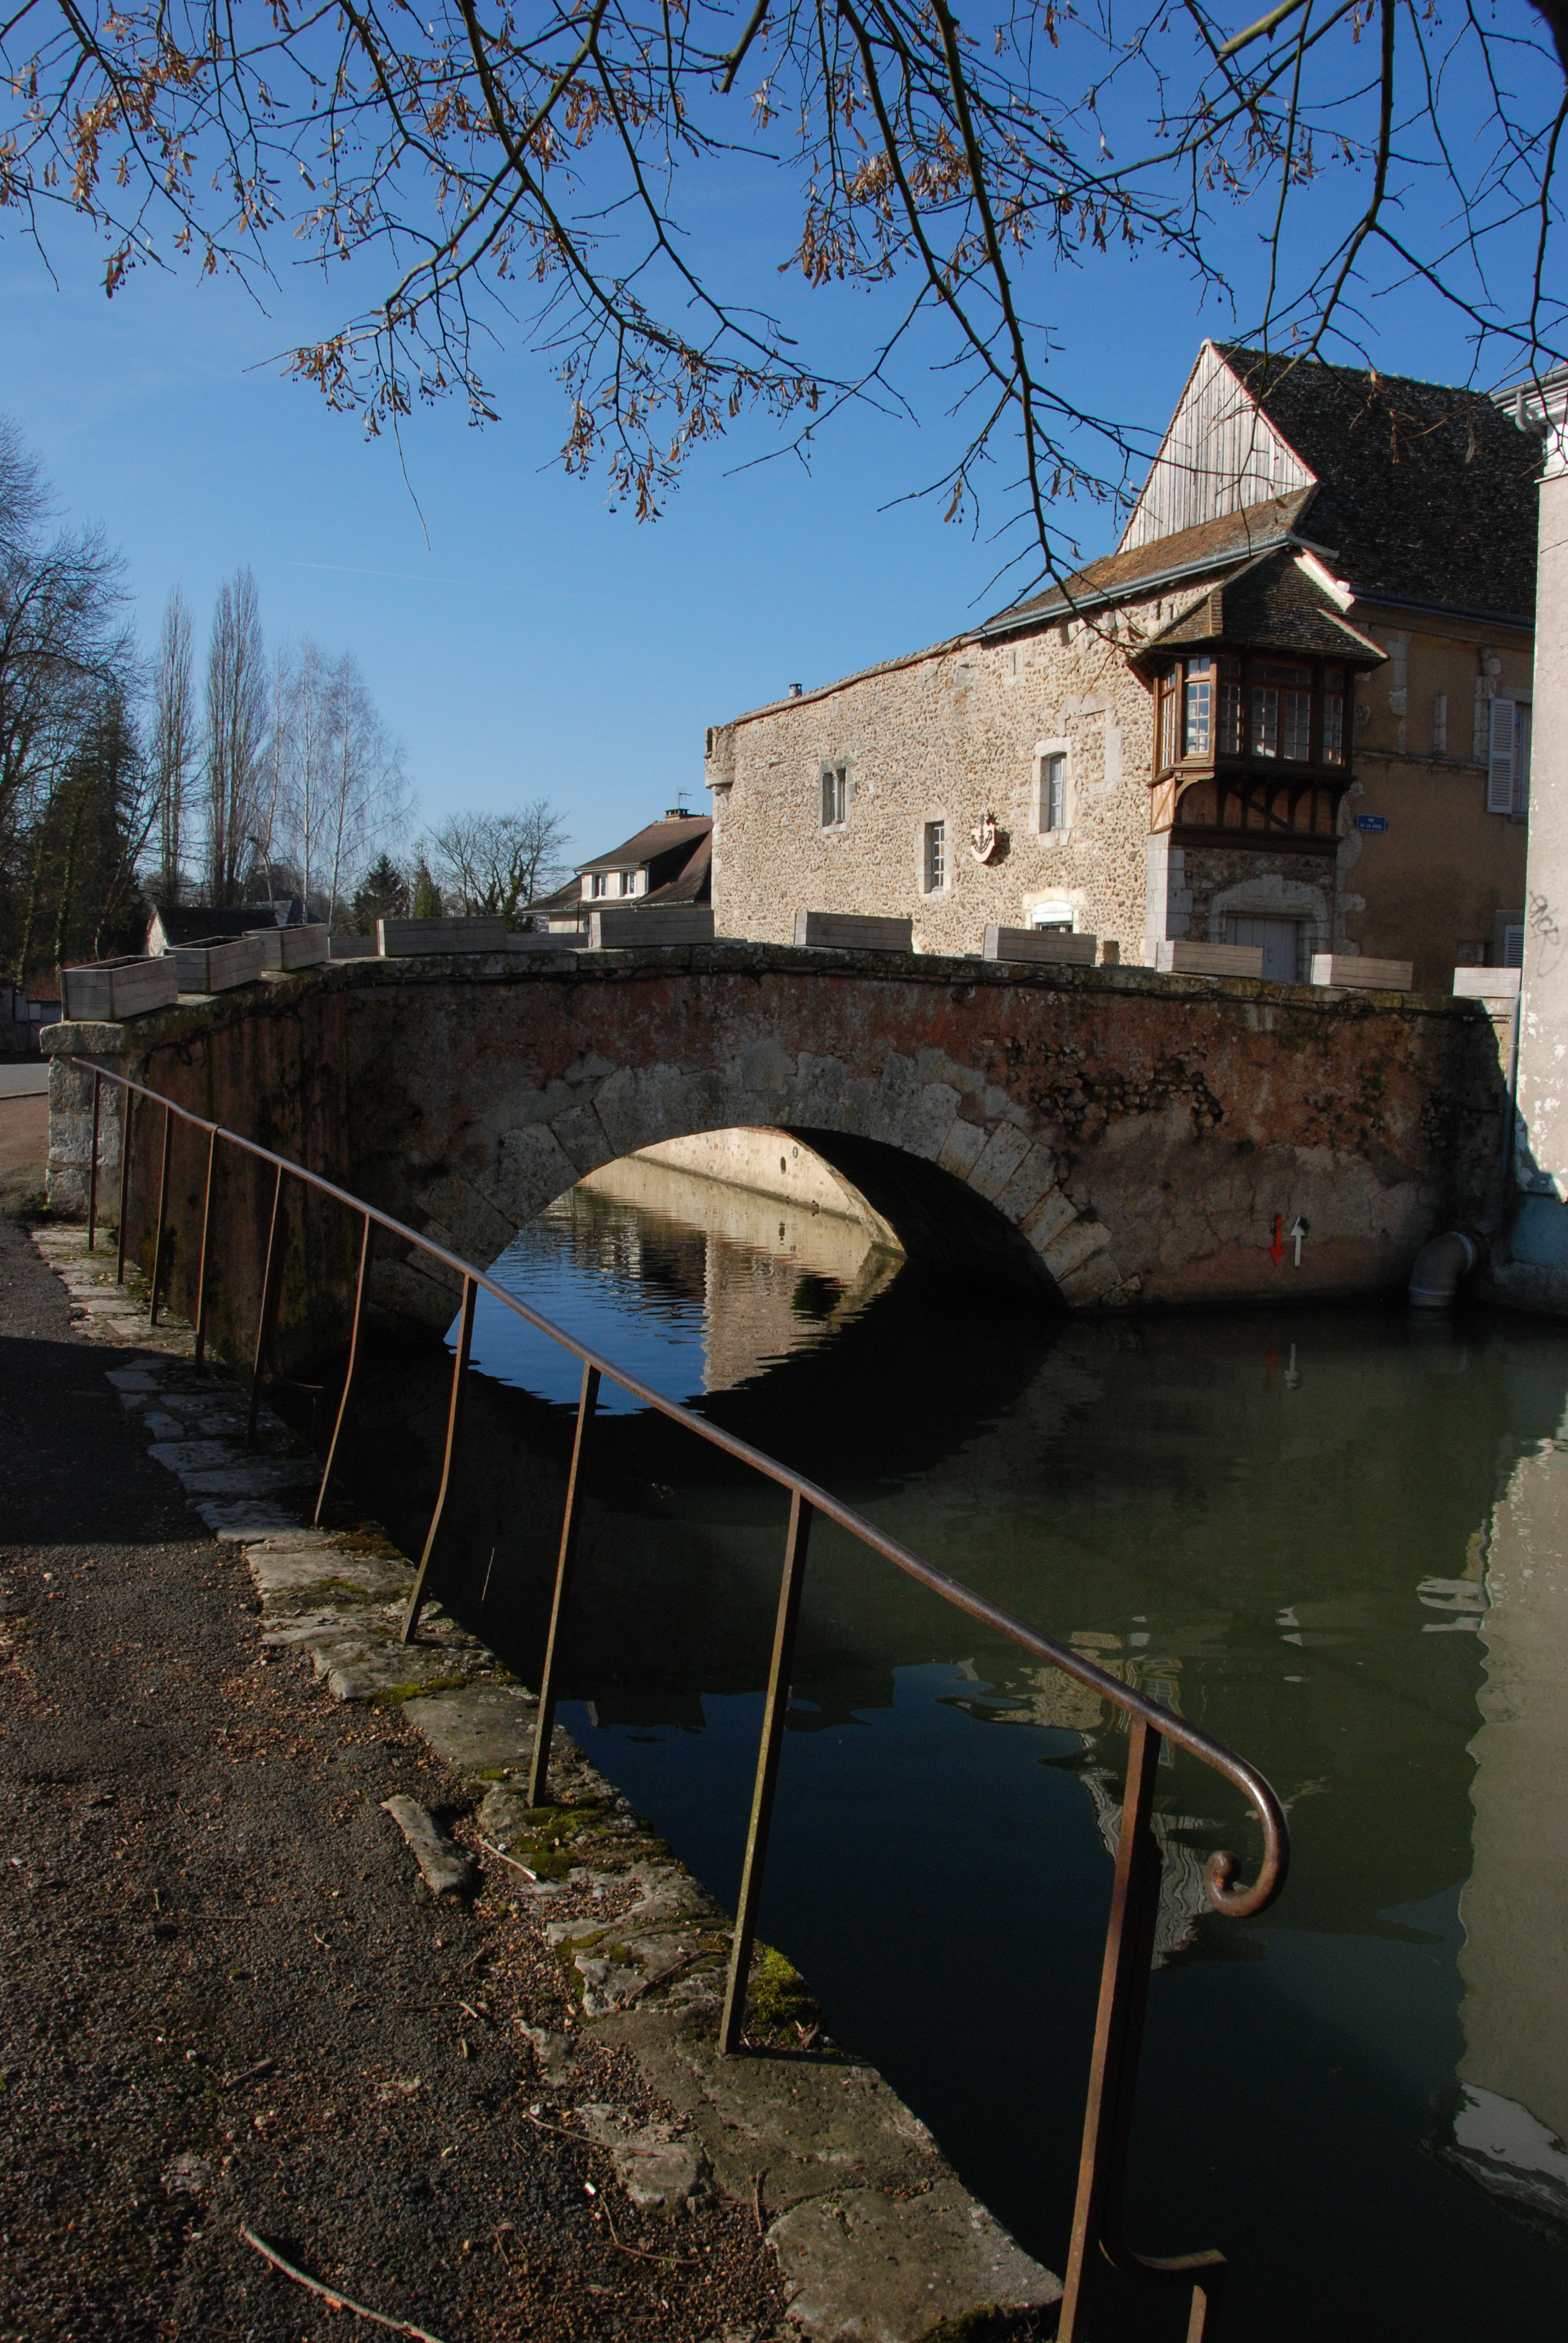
(1522, 720)
(1500, 758)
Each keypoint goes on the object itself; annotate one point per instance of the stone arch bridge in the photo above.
(1096, 1137)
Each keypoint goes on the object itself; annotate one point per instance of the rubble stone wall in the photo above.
(954, 735)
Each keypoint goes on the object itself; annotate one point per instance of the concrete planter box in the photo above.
(405, 939)
(1487, 983)
(106, 991)
(217, 964)
(634, 930)
(1369, 975)
(854, 932)
(1177, 957)
(292, 947)
(1039, 944)
(352, 948)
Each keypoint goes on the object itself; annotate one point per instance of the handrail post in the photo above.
(205, 1241)
(565, 1563)
(351, 1369)
(163, 1206)
(453, 1417)
(1114, 2069)
(127, 1125)
(271, 1288)
(93, 1163)
(732, 2024)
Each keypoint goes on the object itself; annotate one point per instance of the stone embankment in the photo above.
(874, 2237)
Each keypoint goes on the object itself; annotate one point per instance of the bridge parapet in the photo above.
(1099, 1137)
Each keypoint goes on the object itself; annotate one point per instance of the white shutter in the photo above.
(1500, 758)
(1521, 757)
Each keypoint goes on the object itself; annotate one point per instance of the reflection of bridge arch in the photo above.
(1099, 1135)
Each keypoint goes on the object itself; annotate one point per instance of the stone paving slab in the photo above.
(488, 1728)
(794, 2127)
(250, 1477)
(878, 2240)
(281, 1574)
(247, 1523)
(863, 2267)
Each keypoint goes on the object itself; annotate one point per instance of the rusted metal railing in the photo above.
(1135, 1894)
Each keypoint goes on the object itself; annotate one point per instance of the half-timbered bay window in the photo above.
(1251, 740)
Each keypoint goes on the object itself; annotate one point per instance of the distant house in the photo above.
(668, 862)
(1293, 710)
(189, 923)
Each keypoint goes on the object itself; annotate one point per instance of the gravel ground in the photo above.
(224, 1998)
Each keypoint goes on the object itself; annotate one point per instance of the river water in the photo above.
(1331, 1539)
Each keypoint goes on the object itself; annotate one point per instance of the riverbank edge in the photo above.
(874, 2233)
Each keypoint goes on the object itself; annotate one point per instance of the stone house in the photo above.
(1291, 709)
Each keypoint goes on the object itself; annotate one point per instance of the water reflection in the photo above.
(691, 1284)
(1321, 1535)
(1508, 2121)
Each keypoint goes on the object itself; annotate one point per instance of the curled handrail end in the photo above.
(1242, 1903)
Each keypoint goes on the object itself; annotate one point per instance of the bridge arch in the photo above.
(971, 1194)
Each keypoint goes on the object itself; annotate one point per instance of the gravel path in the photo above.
(224, 1998)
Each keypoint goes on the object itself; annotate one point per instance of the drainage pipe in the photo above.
(1439, 1266)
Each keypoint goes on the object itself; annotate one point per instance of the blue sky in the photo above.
(540, 644)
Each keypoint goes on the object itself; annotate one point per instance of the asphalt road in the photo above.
(225, 1999)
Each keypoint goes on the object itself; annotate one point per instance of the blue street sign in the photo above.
(1372, 821)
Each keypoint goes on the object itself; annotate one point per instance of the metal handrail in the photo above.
(1129, 1937)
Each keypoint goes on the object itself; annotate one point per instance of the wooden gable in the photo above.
(1219, 454)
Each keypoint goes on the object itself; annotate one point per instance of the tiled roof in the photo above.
(659, 837)
(1273, 602)
(1426, 493)
(1213, 545)
(690, 884)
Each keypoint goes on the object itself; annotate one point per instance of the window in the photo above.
(598, 885)
(835, 796)
(1170, 708)
(1282, 709)
(1334, 715)
(1053, 792)
(1053, 918)
(1513, 945)
(1282, 712)
(936, 857)
(1439, 723)
(1196, 730)
(1508, 757)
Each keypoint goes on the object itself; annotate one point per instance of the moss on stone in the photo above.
(400, 1692)
(778, 2002)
